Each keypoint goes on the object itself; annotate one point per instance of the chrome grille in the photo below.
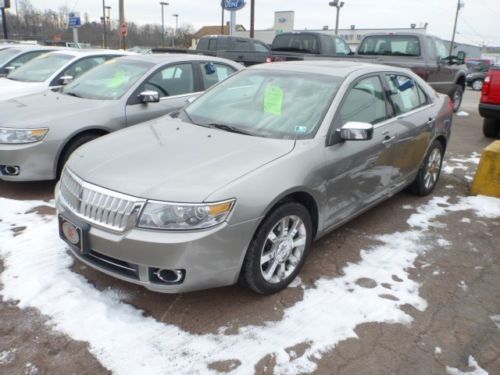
(97, 205)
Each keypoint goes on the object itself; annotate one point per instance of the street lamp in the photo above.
(163, 4)
(337, 4)
(108, 8)
(105, 38)
(176, 27)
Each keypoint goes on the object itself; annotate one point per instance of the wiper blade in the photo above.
(231, 129)
(71, 94)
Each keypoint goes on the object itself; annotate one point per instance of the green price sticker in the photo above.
(273, 100)
(118, 80)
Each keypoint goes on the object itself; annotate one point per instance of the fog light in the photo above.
(165, 276)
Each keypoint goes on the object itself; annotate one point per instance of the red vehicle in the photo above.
(489, 106)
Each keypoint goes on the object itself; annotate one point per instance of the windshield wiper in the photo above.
(71, 94)
(231, 129)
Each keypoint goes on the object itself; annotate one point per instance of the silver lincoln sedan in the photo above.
(238, 185)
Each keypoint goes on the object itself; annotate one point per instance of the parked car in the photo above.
(240, 183)
(17, 55)
(36, 141)
(489, 105)
(308, 44)
(52, 71)
(476, 73)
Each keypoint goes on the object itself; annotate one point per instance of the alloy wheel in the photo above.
(432, 168)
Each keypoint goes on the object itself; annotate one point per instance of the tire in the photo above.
(428, 174)
(491, 128)
(477, 84)
(456, 97)
(70, 148)
(274, 259)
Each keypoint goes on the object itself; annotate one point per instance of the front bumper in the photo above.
(36, 161)
(210, 258)
(489, 111)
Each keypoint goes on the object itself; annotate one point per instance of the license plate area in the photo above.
(74, 234)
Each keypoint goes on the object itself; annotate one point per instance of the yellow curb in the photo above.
(487, 179)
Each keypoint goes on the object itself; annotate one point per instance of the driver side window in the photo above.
(172, 80)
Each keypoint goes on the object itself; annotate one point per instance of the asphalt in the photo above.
(460, 286)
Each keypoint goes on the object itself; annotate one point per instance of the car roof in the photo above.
(178, 57)
(89, 52)
(329, 67)
(28, 47)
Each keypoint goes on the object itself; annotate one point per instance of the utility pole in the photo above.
(5, 5)
(163, 4)
(222, 24)
(460, 5)
(176, 28)
(337, 4)
(108, 8)
(121, 8)
(105, 33)
(252, 19)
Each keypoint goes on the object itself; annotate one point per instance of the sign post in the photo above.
(233, 6)
(74, 21)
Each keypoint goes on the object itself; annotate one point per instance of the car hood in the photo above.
(43, 109)
(169, 160)
(13, 89)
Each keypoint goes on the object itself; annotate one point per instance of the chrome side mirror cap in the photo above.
(149, 96)
(356, 131)
(10, 69)
(65, 80)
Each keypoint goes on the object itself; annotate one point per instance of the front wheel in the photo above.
(278, 249)
(477, 85)
(428, 174)
(456, 97)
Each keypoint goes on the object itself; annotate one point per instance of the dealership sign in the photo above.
(233, 5)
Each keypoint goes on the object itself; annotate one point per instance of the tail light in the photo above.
(486, 85)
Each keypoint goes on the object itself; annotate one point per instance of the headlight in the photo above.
(178, 216)
(19, 136)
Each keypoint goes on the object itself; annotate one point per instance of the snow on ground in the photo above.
(496, 320)
(37, 274)
(476, 370)
(461, 163)
(7, 356)
(463, 114)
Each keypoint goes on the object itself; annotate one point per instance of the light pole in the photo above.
(252, 19)
(163, 4)
(460, 5)
(176, 27)
(108, 8)
(105, 39)
(337, 4)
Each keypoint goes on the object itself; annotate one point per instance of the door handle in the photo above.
(430, 121)
(388, 140)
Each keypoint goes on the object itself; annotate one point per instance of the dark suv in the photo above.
(477, 70)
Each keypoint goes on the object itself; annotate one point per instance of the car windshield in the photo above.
(274, 104)
(108, 81)
(7, 54)
(296, 42)
(390, 45)
(41, 68)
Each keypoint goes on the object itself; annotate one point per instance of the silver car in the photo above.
(249, 174)
(16, 56)
(36, 141)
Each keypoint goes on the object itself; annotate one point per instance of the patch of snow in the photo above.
(443, 243)
(76, 308)
(463, 286)
(297, 283)
(437, 350)
(496, 320)
(449, 186)
(466, 220)
(476, 370)
(463, 114)
(437, 272)
(407, 207)
(7, 356)
(30, 369)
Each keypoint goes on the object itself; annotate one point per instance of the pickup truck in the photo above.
(489, 105)
(245, 51)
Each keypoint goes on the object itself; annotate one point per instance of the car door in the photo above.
(414, 123)
(358, 173)
(175, 84)
(442, 79)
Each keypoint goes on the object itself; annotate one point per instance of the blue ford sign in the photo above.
(233, 4)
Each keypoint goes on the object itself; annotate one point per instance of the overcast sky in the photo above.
(479, 20)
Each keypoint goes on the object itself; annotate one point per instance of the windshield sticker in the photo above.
(301, 129)
(273, 100)
(118, 80)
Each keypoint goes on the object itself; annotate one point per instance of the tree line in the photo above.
(49, 25)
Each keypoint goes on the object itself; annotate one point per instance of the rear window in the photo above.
(390, 45)
(296, 43)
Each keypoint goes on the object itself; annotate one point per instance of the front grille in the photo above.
(97, 205)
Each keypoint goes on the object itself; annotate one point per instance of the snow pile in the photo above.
(476, 370)
(37, 274)
(463, 163)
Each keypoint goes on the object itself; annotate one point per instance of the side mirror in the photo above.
(66, 80)
(461, 57)
(356, 131)
(10, 69)
(149, 96)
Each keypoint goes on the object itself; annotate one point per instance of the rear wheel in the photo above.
(477, 85)
(278, 249)
(70, 148)
(428, 174)
(491, 128)
(456, 97)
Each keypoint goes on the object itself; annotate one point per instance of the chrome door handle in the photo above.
(430, 121)
(388, 139)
